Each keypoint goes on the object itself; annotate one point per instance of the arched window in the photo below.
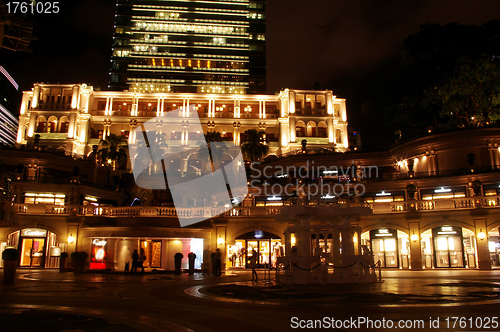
(311, 129)
(41, 124)
(322, 129)
(63, 124)
(300, 128)
(52, 124)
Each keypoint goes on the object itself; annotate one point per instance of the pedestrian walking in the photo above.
(135, 261)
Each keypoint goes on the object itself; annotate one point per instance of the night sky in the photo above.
(352, 47)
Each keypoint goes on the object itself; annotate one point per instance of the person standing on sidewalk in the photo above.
(252, 265)
(218, 262)
(142, 258)
(135, 261)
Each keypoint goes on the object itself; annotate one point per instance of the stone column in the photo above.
(483, 253)
(237, 110)
(291, 102)
(71, 125)
(36, 96)
(75, 96)
(415, 246)
(292, 129)
(32, 123)
(283, 132)
(107, 128)
(329, 102)
(284, 102)
(236, 133)
(24, 103)
(23, 120)
(336, 249)
(135, 106)
(132, 134)
(84, 121)
(347, 243)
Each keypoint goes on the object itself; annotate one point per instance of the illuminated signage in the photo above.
(99, 242)
(259, 234)
(383, 232)
(447, 230)
(442, 190)
(34, 232)
(327, 196)
(274, 198)
(383, 193)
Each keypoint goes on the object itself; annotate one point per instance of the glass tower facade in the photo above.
(197, 46)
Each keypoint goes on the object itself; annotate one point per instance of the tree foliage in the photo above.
(253, 146)
(115, 149)
(212, 153)
(455, 77)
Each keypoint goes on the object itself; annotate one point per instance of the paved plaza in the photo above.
(46, 300)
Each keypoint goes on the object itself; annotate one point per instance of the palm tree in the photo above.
(252, 146)
(115, 150)
(215, 152)
(154, 147)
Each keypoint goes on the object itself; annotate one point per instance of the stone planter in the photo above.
(10, 257)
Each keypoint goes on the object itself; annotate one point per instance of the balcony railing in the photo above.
(256, 211)
(448, 172)
(53, 105)
(151, 114)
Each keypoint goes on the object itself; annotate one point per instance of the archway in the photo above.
(265, 244)
(311, 130)
(300, 129)
(322, 129)
(52, 124)
(41, 124)
(63, 124)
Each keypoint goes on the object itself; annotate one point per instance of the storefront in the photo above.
(267, 247)
(448, 247)
(389, 246)
(494, 247)
(38, 248)
(158, 253)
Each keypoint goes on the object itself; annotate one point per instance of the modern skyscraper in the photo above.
(189, 46)
(8, 104)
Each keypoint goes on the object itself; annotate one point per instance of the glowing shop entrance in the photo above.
(37, 247)
(266, 245)
(389, 246)
(448, 247)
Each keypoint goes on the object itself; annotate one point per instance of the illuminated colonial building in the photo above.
(75, 117)
(189, 46)
(435, 200)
